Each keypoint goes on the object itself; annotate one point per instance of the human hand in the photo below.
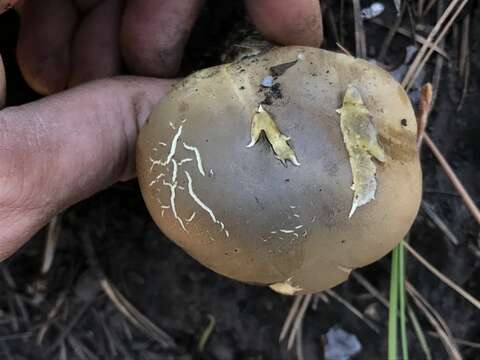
(66, 42)
(61, 149)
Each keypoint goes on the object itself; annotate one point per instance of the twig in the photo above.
(391, 33)
(424, 108)
(14, 298)
(472, 344)
(63, 352)
(341, 23)
(369, 287)
(420, 7)
(298, 320)
(437, 72)
(475, 302)
(77, 348)
(402, 31)
(291, 315)
(464, 45)
(439, 222)
(360, 41)
(344, 50)
(50, 317)
(51, 243)
(424, 53)
(353, 309)
(466, 81)
(66, 331)
(429, 7)
(122, 304)
(331, 25)
(469, 203)
(299, 343)
(108, 334)
(446, 339)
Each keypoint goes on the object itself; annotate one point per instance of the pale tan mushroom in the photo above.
(334, 182)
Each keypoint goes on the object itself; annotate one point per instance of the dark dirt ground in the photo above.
(180, 295)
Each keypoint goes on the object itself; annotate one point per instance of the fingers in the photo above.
(154, 34)
(43, 51)
(3, 83)
(64, 148)
(6, 4)
(288, 22)
(95, 49)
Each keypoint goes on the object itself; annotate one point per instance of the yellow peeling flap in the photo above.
(263, 121)
(360, 138)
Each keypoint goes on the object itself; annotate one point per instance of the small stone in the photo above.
(267, 81)
(341, 345)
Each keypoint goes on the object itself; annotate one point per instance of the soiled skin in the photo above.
(250, 217)
(3, 83)
(63, 148)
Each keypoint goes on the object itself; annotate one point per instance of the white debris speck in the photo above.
(374, 10)
(341, 345)
(267, 81)
(301, 56)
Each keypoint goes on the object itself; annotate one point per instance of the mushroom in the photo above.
(289, 168)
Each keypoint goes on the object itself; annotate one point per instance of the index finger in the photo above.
(288, 22)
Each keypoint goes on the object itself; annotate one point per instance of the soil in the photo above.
(181, 296)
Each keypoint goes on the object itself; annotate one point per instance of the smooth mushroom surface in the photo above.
(288, 169)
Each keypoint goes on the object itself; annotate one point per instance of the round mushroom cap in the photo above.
(288, 169)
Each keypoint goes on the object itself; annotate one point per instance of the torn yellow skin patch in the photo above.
(263, 121)
(285, 288)
(360, 138)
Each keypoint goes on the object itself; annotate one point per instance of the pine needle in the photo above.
(393, 308)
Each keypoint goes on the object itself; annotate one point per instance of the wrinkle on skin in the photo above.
(64, 148)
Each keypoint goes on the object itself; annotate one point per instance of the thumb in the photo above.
(62, 149)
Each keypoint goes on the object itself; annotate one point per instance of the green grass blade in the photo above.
(420, 334)
(393, 307)
(402, 298)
